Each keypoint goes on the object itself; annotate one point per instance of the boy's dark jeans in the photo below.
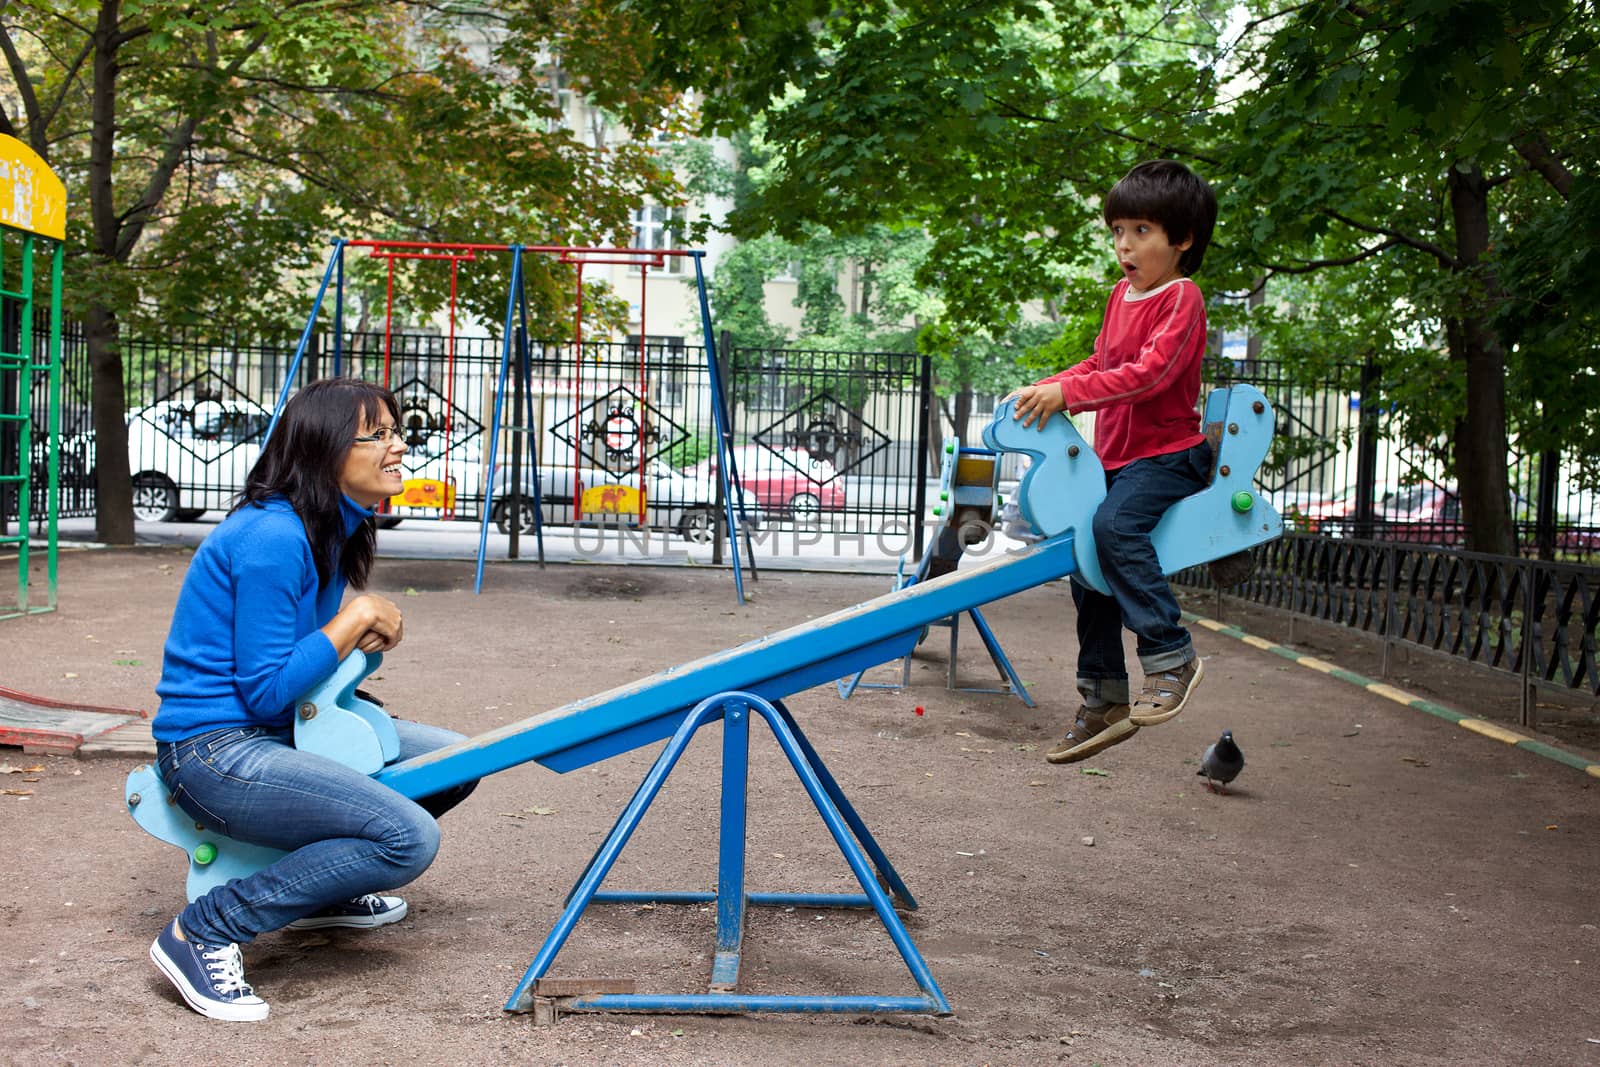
(1137, 495)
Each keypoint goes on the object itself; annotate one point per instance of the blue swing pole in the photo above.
(334, 262)
(499, 402)
(338, 318)
(719, 415)
(526, 415)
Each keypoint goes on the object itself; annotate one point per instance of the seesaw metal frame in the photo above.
(1058, 496)
(866, 859)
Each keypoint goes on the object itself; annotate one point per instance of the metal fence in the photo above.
(1534, 620)
(838, 440)
(1406, 579)
(1334, 472)
(822, 439)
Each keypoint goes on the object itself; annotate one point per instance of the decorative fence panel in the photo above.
(824, 440)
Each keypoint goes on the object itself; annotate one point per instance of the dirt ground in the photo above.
(1380, 887)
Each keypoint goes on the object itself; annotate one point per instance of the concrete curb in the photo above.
(1485, 727)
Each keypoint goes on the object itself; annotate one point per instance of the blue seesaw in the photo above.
(1058, 496)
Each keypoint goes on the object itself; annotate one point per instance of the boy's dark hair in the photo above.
(1166, 191)
(302, 461)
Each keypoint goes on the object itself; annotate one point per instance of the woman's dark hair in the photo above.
(1166, 191)
(302, 461)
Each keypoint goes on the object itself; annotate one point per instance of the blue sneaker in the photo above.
(210, 979)
(358, 913)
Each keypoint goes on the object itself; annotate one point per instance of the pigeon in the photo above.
(1222, 763)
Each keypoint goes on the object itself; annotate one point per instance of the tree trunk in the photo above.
(1481, 445)
(963, 415)
(113, 511)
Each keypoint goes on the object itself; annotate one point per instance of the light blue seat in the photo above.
(331, 721)
(1066, 483)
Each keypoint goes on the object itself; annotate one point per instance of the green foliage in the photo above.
(247, 134)
(1409, 178)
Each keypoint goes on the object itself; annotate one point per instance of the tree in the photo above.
(209, 151)
(1422, 138)
(1419, 151)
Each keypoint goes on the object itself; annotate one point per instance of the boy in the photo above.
(1143, 379)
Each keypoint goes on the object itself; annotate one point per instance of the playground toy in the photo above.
(33, 204)
(620, 435)
(750, 681)
(969, 500)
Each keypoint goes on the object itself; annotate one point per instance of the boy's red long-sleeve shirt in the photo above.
(1144, 376)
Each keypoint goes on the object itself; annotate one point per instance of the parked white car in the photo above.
(184, 460)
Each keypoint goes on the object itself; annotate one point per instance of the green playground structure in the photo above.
(34, 207)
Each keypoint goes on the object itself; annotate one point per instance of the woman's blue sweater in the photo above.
(246, 638)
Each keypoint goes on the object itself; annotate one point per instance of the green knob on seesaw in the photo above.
(937, 512)
(999, 501)
(204, 853)
(944, 495)
(1243, 501)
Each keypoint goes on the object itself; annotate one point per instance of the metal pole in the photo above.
(1545, 516)
(1531, 601)
(1367, 452)
(920, 492)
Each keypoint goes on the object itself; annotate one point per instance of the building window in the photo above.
(664, 360)
(660, 227)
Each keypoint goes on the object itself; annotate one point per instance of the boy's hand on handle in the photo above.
(1036, 403)
(369, 622)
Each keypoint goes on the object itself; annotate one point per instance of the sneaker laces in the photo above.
(371, 901)
(227, 970)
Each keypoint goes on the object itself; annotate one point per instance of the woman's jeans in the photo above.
(1137, 495)
(345, 834)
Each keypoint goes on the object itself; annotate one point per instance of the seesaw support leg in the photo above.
(998, 654)
(736, 710)
(731, 839)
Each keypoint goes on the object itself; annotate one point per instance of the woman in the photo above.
(258, 623)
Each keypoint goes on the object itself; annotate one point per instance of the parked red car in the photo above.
(786, 481)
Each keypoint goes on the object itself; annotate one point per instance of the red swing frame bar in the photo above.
(577, 256)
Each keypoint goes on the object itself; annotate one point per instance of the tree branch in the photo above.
(131, 226)
(1317, 264)
(1406, 239)
(1166, 149)
(1535, 150)
(30, 101)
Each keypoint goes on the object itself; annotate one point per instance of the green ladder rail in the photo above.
(28, 370)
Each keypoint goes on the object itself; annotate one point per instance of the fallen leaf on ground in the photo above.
(1036, 782)
(29, 793)
(1095, 772)
(1414, 760)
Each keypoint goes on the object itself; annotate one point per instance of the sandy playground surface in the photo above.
(1380, 888)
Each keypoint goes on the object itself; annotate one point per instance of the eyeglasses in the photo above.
(383, 435)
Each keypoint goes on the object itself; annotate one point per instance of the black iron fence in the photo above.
(1376, 535)
(1535, 620)
(1336, 469)
(616, 429)
(837, 440)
